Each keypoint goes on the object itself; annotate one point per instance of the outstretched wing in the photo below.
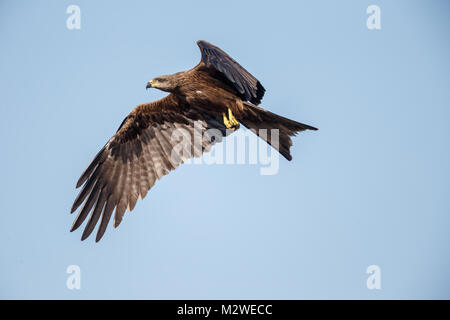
(154, 139)
(247, 85)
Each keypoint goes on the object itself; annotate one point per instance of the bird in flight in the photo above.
(218, 93)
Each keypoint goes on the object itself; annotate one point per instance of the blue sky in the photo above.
(370, 187)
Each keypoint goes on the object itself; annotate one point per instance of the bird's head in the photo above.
(165, 83)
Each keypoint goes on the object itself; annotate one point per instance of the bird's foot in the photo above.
(230, 122)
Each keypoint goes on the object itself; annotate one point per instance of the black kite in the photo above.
(218, 93)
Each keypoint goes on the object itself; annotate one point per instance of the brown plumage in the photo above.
(143, 149)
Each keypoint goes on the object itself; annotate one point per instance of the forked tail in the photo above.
(256, 118)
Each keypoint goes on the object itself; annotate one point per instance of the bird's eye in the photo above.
(161, 80)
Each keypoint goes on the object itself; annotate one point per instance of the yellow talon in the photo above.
(232, 119)
(226, 122)
(230, 122)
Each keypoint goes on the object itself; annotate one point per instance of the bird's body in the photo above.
(202, 91)
(216, 94)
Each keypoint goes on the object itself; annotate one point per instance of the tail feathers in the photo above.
(256, 118)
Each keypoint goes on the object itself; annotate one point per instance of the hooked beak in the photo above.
(149, 84)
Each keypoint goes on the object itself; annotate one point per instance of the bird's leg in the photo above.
(230, 122)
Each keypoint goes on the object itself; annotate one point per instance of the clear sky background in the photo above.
(370, 187)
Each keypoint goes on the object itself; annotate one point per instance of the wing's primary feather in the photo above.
(141, 152)
(246, 84)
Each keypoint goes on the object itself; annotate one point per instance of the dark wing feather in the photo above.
(247, 85)
(141, 152)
